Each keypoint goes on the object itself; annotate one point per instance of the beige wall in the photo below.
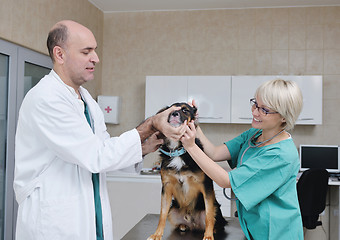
(27, 22)
(215, 42)
(223, 42)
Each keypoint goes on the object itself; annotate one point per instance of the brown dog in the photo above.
(188, 197)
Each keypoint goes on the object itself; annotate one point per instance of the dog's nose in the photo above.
(175, 114)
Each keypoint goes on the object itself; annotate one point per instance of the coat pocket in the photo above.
(60, 219)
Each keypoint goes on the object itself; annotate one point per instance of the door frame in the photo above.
(17, 57)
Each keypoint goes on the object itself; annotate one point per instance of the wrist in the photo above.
(190, 148)
(146, 129)
(199, 132)
(154, 122)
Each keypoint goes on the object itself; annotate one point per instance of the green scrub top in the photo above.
(265, 187)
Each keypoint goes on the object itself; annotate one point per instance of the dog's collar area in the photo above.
(175, 153)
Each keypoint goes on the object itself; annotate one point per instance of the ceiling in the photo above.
(172, 5)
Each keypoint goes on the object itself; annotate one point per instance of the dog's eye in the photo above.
(185, 110)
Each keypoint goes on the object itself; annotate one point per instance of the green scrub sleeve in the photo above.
(235, 145)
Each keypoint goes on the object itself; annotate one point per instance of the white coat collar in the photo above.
(78, 102)
(71, 89)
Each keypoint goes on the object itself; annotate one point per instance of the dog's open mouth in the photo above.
(175, 120)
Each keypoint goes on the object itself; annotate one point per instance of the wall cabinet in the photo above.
(211, 93)
(225, 99)
(244, 87)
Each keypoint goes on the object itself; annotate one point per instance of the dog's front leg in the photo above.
(166, 199)
(209, 216)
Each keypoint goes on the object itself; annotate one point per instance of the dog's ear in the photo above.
(195, 116)
(195, 110)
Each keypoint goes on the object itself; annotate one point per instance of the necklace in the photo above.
(256, 144)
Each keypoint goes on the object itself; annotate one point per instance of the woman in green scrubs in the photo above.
(265, 164)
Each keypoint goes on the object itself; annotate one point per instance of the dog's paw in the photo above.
(211, 237)
(155, 237)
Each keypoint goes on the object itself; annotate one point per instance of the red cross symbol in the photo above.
(108, 109)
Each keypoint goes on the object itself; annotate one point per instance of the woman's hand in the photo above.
(188, 138)
(212, 169)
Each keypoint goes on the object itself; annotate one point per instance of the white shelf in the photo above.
(133, 177)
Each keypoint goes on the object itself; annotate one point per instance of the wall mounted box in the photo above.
(110, 105)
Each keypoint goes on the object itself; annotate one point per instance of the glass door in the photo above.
(32, 66)
(32, 75)
(20, 70)
(8, 71)
(4, 63)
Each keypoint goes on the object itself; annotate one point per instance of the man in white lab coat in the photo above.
(63, 149)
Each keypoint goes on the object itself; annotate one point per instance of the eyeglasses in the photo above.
(262, 110)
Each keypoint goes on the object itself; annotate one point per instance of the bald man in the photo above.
(63, 149)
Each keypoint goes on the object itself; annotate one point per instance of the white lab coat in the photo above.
(56, 153)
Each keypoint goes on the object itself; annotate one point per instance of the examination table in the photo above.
(147, 226)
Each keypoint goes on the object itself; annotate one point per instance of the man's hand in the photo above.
(151, 144)
(160, 122)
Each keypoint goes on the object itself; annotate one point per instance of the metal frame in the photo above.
(11, 51)
(17, 57)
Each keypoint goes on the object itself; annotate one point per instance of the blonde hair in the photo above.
(284, 97)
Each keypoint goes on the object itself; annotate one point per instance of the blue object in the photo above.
(175, 153)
